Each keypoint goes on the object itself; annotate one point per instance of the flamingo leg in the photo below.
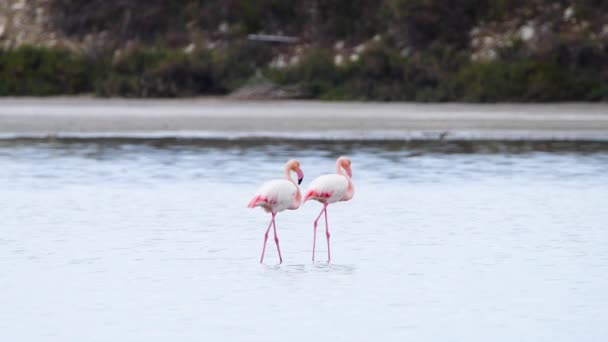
(314, 240)
(266, 238)
(276, 238)
(327, 234)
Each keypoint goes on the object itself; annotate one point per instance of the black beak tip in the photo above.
(300, 181)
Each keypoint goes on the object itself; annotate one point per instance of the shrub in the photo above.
(160, 73)
(170, 73)
(525, 81)
(316, 73)
(40, 71)
(381, 74)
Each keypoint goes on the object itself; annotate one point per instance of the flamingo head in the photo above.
(344, 163)
(294, 165)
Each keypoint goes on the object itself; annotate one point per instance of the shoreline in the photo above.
(216, 118)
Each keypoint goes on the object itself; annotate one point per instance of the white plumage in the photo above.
(277, 195)
(328, 188)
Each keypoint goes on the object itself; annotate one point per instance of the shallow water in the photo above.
(128, 240)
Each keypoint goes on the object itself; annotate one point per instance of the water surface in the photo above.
(150, 240)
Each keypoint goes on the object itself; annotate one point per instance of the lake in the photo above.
(150, 240)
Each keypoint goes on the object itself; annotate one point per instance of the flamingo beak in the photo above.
(300, 176)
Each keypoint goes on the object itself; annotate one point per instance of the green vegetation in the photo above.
(380, 74)
(41, 72)
(146, 72)
(173, 73)
(442, 75)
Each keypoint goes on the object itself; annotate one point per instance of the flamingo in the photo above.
(329, 189)
(277, 195)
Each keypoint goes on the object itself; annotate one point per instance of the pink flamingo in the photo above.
(277, 195)
(329, 189)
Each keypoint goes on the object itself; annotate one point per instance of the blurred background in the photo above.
(385, 50)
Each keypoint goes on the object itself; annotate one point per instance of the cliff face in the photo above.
(482, 29)
(539, 30)
(25, 22)
(30, 23)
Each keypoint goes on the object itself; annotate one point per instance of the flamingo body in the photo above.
(328, 189)
(277, 195)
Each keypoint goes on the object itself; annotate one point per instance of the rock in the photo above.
(568, 13)
(338, 59)
(475, 42)
(17, 6)
(19, 40)
(263, 89)
(223, 28)
(354, 57)
(279, 62)
(484, 55)
(294, 60)
(527, 32)
(40, 17)
(190, 48)
(490, 55)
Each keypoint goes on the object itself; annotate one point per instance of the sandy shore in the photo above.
(217, 117)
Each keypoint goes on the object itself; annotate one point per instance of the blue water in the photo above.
(128, 240)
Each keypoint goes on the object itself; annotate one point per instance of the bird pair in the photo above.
(281, 194)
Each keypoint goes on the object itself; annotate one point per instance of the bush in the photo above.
(316, 73)
(240, 61)
(525, 81)
(381, 74)
(160, 73)
(41, 72)
(170, 73)
(439, 73)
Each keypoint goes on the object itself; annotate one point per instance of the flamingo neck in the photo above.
(340, 170)
(288, 175)
(351, 188)
(298, 199)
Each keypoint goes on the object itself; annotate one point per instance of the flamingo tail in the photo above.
(254, 201)
(309, 194)
(314, 194)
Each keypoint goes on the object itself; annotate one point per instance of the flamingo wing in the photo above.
(327, 188)
(275, 196)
